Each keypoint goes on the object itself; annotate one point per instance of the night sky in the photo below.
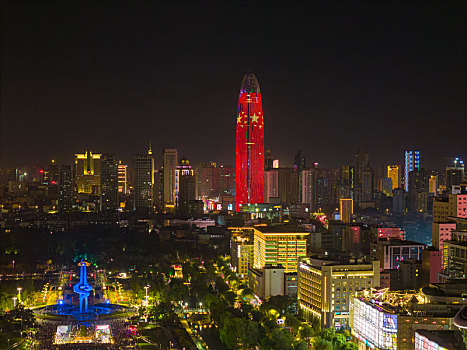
(110, 76)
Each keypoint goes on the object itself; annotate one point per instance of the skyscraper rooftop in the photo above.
(250, 84)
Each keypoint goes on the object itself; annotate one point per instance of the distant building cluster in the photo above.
(101, 183)
(378, 251)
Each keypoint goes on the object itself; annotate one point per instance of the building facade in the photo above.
(249, 144)
(385, 320)
(65, 189)
(280, 244)
(170, 159)
(271, 186)
(185, 186)
(87, 172)
(325, 287)
(241, 250)
(390, 252)
(394, 173)
(109, 183)
(346, 209)
(143, 182)
(123, 187)
(412, 162)
(267, 281)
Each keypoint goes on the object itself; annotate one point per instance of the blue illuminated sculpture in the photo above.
(83, 288)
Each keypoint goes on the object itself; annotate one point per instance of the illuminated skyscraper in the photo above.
(144, 180)
(109, 182)
(65, 188)
(170, 165)
(412, 162)
(455, 175)
(325, 286)
(395, 175)
(433, 185)
(250, 144)
(88, 173)
(185, 186)
(361, 163)
(51, 174)
(280, 244)
(122, 178)
(271, 185)
(346, 209)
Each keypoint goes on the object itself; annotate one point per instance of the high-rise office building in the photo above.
(299, 166)
(299, 161)
(418, 191)
(398, 201)
(51, 174)
(308, 187)
(227, 180)
(170, 159)
(433, 185)
(123, 178)
(394, 174)
(412, 162)
(158, 188)
(87, 172)
(109, 183)
(347, 181)
(325, 287)
(185, 186)
(65, 188)
(271, 185)
(280, 244)
(207, 181)
(346, 209)
(288, 180)
(367, 184)
(214, 182)
(320, 188)
(143, 182)
(455, 175)
(249, 144)
(361, 163)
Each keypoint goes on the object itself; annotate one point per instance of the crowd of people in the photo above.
(47, 330)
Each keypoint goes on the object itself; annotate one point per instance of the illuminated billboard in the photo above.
(372, 325)
(103, 334)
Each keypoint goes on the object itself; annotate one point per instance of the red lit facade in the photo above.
(250, 144)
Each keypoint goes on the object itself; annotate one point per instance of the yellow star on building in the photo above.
(239, 119)
(254, 118)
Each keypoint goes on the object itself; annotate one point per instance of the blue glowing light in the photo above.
(83, 288)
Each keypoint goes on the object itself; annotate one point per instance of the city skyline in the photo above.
(110, 82)
(233, 175)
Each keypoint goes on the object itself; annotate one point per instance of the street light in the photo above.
(19, 294)
(146, 288)
(14, 301)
